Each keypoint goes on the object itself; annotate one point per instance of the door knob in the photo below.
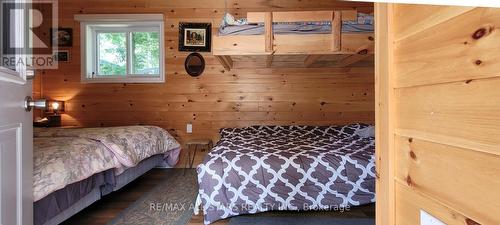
(37, 104)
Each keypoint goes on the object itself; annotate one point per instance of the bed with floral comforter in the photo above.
(63, 156)
(130, 144)
(62, 160)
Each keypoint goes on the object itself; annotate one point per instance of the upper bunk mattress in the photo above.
(264, 168)
(230, 26)
(257, 29)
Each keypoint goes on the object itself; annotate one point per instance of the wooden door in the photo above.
(438, 114)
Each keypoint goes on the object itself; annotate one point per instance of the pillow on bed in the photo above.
(366, 132)
(363, 18)
(229, 20)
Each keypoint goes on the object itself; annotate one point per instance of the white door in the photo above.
(16, 139)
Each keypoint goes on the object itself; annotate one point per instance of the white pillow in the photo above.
(366, 132)
(229, 20)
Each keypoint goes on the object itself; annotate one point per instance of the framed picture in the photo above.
(62, 56)
(62, 37)
(195, 37)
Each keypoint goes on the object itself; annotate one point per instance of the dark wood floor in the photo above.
(367, 211)
(111, 205)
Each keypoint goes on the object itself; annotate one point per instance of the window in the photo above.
(122, 48)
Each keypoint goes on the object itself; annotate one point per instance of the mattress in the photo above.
(64, 203)
(59, 201)
(71, 165)
(60, 161)
(258, 29)
(65, 156)
(265, 168)
(231, 26)
(129, 144)
(130, 174)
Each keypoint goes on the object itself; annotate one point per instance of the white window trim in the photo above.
(88, 22)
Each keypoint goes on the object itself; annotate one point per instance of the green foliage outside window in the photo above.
(113, 53)
(146, 56)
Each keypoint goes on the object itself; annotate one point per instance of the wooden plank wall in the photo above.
(218, 98)
(447, 102)
(384, 115)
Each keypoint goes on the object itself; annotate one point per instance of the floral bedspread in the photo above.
(61, 161)
(130, 144)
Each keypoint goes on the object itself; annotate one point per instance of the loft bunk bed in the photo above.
(296, 39)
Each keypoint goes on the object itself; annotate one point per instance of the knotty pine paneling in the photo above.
(468, 175)
(451, 52)
(218, 98)
(445, 77)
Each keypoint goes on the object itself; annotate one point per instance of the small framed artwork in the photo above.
(62, 37)
(62, 56)
(195, 37)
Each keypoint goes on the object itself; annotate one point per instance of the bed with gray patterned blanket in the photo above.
(264, 168)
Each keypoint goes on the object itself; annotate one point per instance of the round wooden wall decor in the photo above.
(194, 64)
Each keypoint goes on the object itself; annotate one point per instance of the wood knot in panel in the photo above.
(482, 32)
(471, 222)
(409, 181)
(413, 155)
(363, 52)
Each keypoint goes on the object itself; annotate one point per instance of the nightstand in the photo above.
(192, 146)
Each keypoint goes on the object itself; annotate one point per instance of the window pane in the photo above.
(146, 55)
(112, 54)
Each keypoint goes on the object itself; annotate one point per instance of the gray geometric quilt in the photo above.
(263, 168)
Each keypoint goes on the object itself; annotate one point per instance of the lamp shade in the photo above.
(56, 106)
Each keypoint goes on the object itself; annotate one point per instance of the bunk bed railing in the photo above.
(270, 48)
(268, 18)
